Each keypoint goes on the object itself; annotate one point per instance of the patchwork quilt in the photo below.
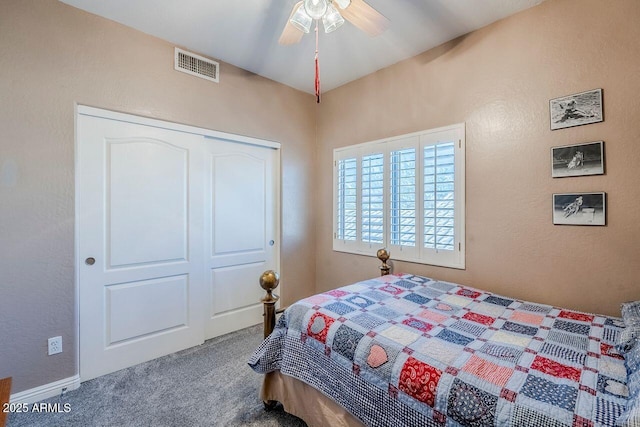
(405, 350)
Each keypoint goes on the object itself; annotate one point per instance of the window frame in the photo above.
(418, 140)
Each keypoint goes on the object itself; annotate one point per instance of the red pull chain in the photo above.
(317, 68)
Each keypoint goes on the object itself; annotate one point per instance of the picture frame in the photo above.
(579, 209)
(577, 159)
(575, 110)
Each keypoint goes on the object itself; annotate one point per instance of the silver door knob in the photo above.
(90, 261)
(271, 243)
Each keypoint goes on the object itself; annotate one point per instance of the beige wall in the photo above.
(499, 81)
(54, 56)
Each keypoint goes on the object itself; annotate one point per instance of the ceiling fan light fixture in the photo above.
(343, 4)
(301, 20)
(315, 8)
(332, 20)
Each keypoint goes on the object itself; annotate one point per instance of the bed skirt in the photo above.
(305, 402)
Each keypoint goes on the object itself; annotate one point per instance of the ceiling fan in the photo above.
(333, 14)
(304, 12)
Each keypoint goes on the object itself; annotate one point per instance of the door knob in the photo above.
(90, 261)
(271, 243)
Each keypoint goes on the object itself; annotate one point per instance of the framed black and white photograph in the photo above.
(579, 209)
(577, 160)
(575, 110)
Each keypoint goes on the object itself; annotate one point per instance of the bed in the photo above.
(406, 350)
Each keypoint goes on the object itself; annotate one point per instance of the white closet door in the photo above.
(242, 231)
(140, 223)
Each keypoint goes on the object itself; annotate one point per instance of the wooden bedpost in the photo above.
(269, 281)
(383, 256)
(5, 393)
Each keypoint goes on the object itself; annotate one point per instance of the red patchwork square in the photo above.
(565, 314)
(468, 293)
(452, 371)
(434, 317)
(393, 392)
(419, 380)
(588, 390)
(578, 421)
(488, 371)
(509, 395)
(418, 324)
(479, 318)
(337, 293)
(609, 350)
(556, 369)
(532, 319)
(318, 326)
(392, 290)
(439, 417)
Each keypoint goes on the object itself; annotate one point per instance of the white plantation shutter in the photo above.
(405, 194)
(347, 202)
(372, 198)
(439, 196)
(402, 215)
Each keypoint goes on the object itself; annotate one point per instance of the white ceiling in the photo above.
(245, 33)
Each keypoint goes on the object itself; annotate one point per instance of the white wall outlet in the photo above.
(55, 345)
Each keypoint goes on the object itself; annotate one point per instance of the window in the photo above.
(404, 193)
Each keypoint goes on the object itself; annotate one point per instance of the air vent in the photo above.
(196, 65)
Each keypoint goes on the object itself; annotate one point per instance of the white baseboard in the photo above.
(46, 391)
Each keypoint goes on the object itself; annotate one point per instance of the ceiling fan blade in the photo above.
(290, 34)
(366, 18)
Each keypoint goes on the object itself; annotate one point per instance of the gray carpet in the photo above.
(207, 385)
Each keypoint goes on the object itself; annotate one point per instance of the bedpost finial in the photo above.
(383, 255)
(269, 281)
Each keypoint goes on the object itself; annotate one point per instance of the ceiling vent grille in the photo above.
(196, 65)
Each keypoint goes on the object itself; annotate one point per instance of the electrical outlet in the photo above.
(55, 345)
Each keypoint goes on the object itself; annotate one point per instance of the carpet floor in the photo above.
(207, 385)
